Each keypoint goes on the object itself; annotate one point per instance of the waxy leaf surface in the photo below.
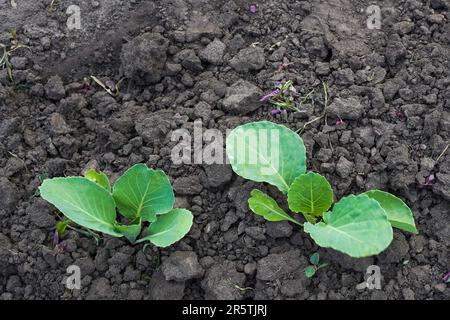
(143, 193)
(267, 152)
(169, 228)
(357, 226)
(311, 194)
(399, 214)
(265, 206)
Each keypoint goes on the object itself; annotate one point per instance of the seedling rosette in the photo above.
(357, 225)
(141, 195)
(315, 266)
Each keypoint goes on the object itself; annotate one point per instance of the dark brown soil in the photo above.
(391, 87)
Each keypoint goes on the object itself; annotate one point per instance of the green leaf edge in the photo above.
(397, 224)
(314, 258)
(310, 271)
(112, 232)
(130, 231)
(332, 246)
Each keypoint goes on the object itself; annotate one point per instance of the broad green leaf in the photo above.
(399, 214)
(143, 192)
(315, 258)
(131, 232)
(83, 202)
(267, 152)
(310, 271)
(311, 194)
(357, 226)
(265, 206)
(169, 228)
(99, 178)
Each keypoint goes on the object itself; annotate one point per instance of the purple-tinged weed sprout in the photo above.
(283, 96)
(446, 277)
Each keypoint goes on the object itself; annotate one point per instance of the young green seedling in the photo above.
(141, 195)
(357, 225)
(311, 270)
(7, 53)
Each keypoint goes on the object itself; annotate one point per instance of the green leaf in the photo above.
(99, 178)
(323, 265)
(399, 214)
(131, 232)
(267, 152)
(265, 206)
(143, 192)
(169, 228)
(310, 271)
(61, 227)
(314, 259)
(311, 194)
(310, 218)
(83, 202)
(358, 226)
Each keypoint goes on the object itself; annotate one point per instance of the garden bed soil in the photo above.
(184, 60)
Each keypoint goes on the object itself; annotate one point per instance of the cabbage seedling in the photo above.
(357, 225)
(141, 195)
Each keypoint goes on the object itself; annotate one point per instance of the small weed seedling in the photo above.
(358, 225)
(112, 89)
(7, 52)
(283, 96)
(446, 277)
(311, 270)
(141, 195)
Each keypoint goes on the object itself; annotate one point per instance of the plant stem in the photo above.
(442, 153)
(324, 113)
(308, 123)
(325, 90)
(296, 222)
